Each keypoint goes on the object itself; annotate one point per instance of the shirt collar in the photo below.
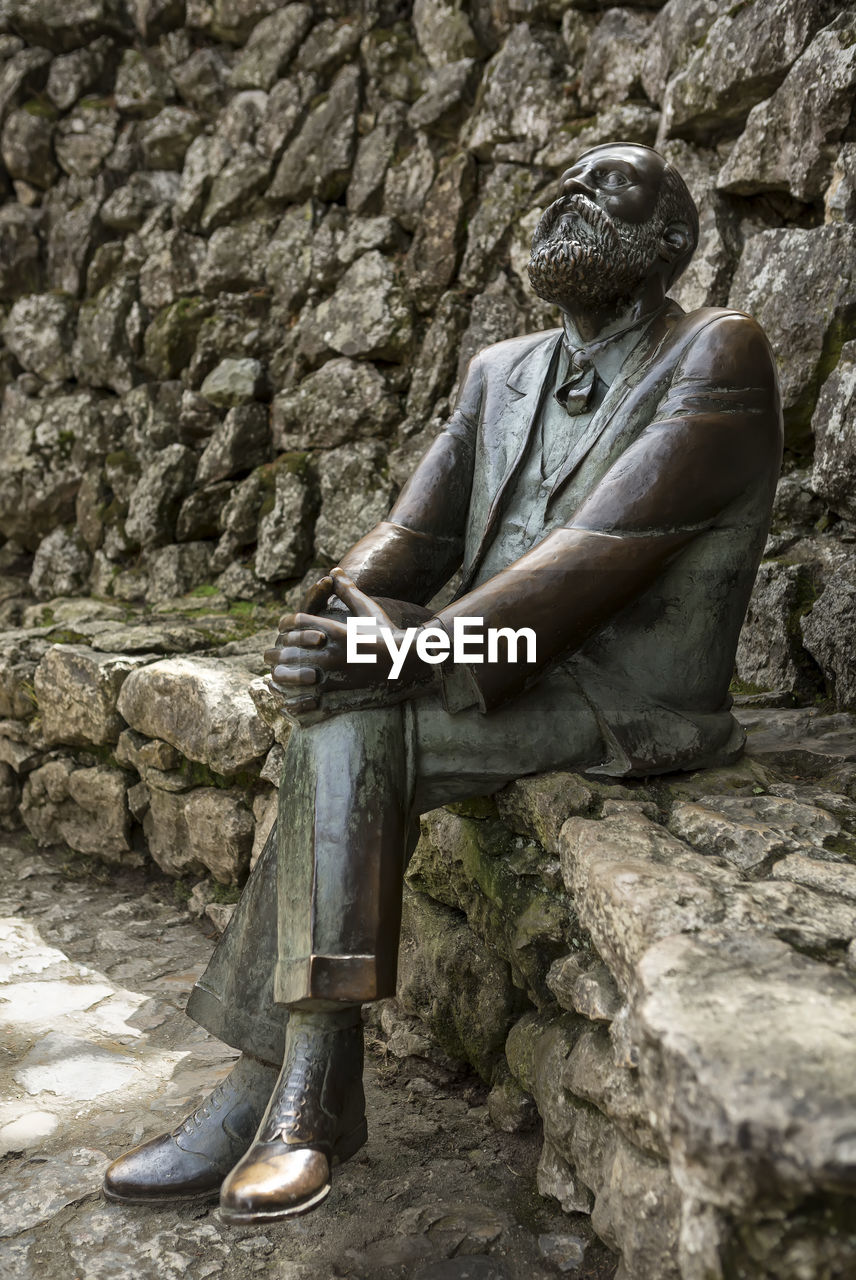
(608, 351)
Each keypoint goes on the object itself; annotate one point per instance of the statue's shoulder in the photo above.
(723, 338)
(506, 354)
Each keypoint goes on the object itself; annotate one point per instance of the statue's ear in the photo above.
(674, 241)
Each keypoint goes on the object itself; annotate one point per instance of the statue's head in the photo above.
(624, 218)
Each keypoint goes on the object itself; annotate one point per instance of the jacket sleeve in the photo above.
(412, 553)
(716, 433)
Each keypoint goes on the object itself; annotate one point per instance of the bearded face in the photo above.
(582, 255)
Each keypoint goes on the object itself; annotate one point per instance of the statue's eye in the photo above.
(611, 178)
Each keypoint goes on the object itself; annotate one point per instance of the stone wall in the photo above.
(246, 250)
(663, 972)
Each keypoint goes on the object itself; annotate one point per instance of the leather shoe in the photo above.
(316, 1118)
(190, 1163)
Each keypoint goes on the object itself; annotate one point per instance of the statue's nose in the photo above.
(575, 184)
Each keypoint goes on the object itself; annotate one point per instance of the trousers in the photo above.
(320, 915)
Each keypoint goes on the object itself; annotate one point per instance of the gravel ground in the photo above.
(97, 1055)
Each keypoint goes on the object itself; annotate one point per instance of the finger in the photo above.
(292, 656)
(357, 601)
(312, 639)
(316, 596)
(300, 622)
(290, 676)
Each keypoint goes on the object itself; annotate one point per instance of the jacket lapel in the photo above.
(650, 341)
(523, 394)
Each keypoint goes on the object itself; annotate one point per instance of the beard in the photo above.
(581, 255)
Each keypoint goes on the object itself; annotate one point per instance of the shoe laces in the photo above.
(205, 1109)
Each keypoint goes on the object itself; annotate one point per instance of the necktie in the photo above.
(575, 392)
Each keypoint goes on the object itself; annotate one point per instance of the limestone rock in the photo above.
(799, 285)
(288, 257)
(20, 268)
(40, 330)
(745, 56)
(26, 145)
(129, 206)
(506, 197)
(234, 20)
(770, 653)
(788, 142)
(408, 181)
(520, 101)
(342, 401)
(67, 24)
(538, 807)
(85, 808)
(241, 442)
(233, 383)
(42, 468)
(780, 1123)
(60, 566)
(236, 259)
(397, 68)
(107, 344)
(271, 47)
(443, 105)
(164, 140)
(826, 632)
(318, 161)
(175, 570)
(201, 80)
(839, 199)
(206, 829)
(204, 159)
(470, 1015)
(170, 340)
(73, 237)
(202, 707)
(85, 137)
(284, 531)
(369, 314)
(750, 833)
(354, 497)
(155, 18)
(244, 175)
(156, 498)
(436, 361)
(444, 32)
(677, 31)
(834, 429)
(556, 1178)
(77, 691)
(142, 87)
(433, 256)
(73, 74)
(612, 68)
(375, 153)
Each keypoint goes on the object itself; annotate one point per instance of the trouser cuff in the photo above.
(351, 979)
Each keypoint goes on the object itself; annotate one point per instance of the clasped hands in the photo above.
(311, 653)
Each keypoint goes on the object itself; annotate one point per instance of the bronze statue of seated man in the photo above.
(605, 488)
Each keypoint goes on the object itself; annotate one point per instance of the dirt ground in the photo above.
(96, 1055)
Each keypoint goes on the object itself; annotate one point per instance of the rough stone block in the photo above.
(77, 691)
(202, 707)
(206, 829)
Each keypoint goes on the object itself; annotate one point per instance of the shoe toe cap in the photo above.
(160, 1170)
(279, 1182)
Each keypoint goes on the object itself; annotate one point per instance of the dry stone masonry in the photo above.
(246, 251)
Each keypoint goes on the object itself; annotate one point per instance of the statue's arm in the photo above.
(412, 553)
(717, 432)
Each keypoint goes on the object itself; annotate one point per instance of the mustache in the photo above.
(576, 217)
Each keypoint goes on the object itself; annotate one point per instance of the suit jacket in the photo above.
(658, 518)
